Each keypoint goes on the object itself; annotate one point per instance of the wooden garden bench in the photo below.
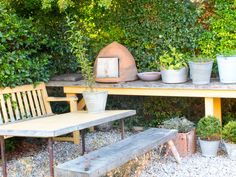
(29, 101)
(101, 161)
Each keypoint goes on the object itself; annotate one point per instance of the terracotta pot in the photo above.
(186, 143)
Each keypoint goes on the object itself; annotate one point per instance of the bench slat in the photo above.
(15, 107)
(110, 157)
(21, 106)
(26, 103)
(31, 103)
(4, 109)
(10, 110)
(41, 102)
(36, 103)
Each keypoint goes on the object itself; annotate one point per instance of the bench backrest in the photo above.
(23, 102)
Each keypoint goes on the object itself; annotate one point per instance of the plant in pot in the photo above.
(173, 66)
(95, 100)
(200, 69)
(209, 133)
(229, 136)
(226, 66)
(186, 138)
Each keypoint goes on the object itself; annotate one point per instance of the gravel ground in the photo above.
(36, 164)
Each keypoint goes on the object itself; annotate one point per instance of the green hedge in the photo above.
(22, 56)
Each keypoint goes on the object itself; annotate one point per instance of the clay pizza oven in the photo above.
(115, 63)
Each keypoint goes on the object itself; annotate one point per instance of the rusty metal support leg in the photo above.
(4, 163)
(83, 141)
(122, 128)
(51, 158)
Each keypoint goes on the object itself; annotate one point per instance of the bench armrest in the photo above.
(69, 99)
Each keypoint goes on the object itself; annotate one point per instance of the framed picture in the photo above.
(107, 67)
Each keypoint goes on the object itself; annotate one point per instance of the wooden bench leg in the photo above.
(4, 163)
(174, 151)
(83, 141)
(51, 158)
(122, 128)
(76, 137)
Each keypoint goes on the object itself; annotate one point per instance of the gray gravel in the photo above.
(36, 165)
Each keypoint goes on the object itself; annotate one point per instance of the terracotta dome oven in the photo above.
(115, 63)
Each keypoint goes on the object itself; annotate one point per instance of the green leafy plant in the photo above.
(209, 128)
(229, 53)
(181, 124)
(172, 59)
(77, 42)
(229, 132)
(200, 59)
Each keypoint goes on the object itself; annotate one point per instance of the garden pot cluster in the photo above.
(174, 68)
(210, 134)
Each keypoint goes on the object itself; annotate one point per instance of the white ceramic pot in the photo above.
(95, 101)
(231, 150)
(174, 76)
(227, 68)
(209, 148)
(200, 72)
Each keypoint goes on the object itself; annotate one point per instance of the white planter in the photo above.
(227, 68)
(209, 148)
(200, 72)
(231, 150)
(95, 101)
(174, 76)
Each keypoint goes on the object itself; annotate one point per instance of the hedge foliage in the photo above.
(22, 56)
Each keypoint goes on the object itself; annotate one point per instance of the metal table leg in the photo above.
(51, 158)
(122, 127)
(83, 141)
(4, 163)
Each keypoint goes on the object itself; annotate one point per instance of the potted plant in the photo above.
(200, 69)
(95, 100)
(209, 131)
(226, 65)
(186, 138)
(229, 136)
(173, 66)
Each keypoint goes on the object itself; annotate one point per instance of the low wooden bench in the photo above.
(101, 161)
(31, 101)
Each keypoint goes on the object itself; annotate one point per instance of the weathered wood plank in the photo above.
(4, 109)
(41, 102)
(15, 106)
(21, 106)
(31, 102)
(36, 103)
(107, 158)
(57, 125)
(10, 110)
(26, 103)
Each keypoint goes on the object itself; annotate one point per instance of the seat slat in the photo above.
(36, 103)
(21, 106)
(1, 120)
(41, 102)
(4, 109)
(10, 110)
(26, 103)
(31, 103)
(15, 106)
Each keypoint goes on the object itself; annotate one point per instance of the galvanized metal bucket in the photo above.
(174, 76)
(231, 150)
(227, 71)
(209, 148)
(200, 72)
(95, 101)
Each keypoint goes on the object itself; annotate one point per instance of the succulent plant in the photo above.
(181, 124)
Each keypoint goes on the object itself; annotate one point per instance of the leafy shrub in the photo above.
(229, 132)
(22, 56)
(209, 128)
(172, 59)
(220, 35)
(181, 124)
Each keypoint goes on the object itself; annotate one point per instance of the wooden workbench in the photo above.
(212, 93)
